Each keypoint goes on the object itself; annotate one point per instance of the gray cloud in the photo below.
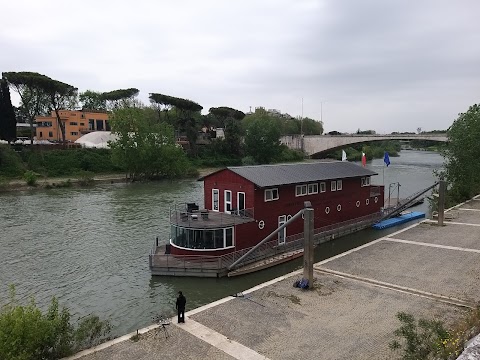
(382, 65)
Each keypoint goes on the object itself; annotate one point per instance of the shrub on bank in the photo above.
(11, 164)
(430, 339)
(28, 333)
(30, 178)
(54, 163)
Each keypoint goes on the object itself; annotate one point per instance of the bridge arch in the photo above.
(315, 145)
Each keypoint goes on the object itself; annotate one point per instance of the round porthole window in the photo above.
(376, 199)
(367, 201)
(339, 207)
(261, 224)
(357, 203)
(327, 210)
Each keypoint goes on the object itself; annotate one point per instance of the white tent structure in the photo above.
(96, 139)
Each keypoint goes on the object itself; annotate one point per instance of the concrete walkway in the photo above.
(425, 270)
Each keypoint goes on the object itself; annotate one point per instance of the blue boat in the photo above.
(384, 224)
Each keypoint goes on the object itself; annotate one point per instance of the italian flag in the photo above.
(364, 159)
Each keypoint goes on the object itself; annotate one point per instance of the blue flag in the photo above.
(386, 158)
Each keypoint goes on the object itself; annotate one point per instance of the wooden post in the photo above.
(442, 187)
(308, 243)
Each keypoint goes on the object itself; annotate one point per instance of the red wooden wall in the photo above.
(247, 235)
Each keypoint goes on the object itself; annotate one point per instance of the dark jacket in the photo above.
(181, 301)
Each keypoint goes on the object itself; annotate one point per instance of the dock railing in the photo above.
(186, 216)
(270, 249)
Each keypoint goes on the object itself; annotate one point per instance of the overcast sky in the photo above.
(374, 64)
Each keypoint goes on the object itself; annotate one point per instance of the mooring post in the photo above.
(308, 240)
(442, 187)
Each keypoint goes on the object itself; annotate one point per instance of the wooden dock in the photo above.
(269, 254)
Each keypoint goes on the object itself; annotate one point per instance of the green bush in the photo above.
(68, 162)
(248, 161)
(11, 164)
(289, 155)
(30, 178)
(422, 339)
(85, 178)
(27, 333)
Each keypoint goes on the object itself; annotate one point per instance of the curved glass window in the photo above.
(202, 238)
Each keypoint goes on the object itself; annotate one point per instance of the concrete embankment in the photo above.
(426, 270)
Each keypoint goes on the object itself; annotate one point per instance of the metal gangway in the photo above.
(405, 204)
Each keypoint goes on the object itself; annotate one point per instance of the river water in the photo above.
(89, 247)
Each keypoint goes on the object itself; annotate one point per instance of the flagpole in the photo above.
(383, 174)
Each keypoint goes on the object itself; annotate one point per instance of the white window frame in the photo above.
(339, 185)
(271, 192)
(333, 185)
(225, 202)
(366, 181)
(303, 190)
(213, 199)
(323, 187)
(314, 189)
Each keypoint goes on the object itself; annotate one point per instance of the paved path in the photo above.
(425, 270)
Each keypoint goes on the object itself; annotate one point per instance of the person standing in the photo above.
(181, 302)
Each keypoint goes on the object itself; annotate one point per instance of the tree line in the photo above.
(247, 138)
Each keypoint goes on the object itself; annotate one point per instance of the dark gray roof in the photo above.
(273, 175)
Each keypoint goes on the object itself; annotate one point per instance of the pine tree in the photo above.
(8, 121)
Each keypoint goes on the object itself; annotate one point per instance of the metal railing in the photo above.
(265, 251)
(181, 215)
(405, 204)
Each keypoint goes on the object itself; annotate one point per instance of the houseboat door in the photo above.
(240, 202)
(282, 234)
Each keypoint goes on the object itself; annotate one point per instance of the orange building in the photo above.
(77, 123)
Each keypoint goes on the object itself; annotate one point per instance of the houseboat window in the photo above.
(366, 181)
(228, 237)
(202, 238)
(218, 238)
(339, 185)
(215, 196)
(333, 186)
(323, 187)
(228, 201)
(271, 194)
(313, 188)
(301, 190)
(240, 201)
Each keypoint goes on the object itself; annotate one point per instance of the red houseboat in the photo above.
(242, 205)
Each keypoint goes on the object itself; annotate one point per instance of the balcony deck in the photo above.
(204, 219)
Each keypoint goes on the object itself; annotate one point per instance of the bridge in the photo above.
(317, 144)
